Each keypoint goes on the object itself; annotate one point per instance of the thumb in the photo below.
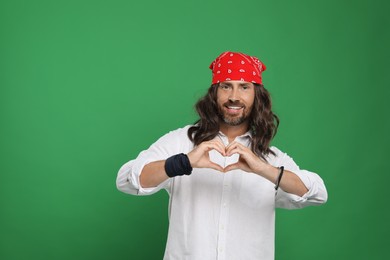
(231, 167)
(216, 167)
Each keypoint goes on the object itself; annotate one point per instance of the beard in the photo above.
(233, 120)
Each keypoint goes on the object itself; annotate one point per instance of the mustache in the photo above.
(234, 103)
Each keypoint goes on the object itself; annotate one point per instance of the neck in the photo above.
(232, 132)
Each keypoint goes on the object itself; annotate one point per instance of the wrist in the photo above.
(178, 165)
(267, 170)
(190, 159)
(279, 178)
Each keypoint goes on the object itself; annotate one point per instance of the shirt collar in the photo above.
(248, 134)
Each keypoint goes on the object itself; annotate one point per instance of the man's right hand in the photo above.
(199, 157)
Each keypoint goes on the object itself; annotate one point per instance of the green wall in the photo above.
(86, 85)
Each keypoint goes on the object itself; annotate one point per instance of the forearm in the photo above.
(153, 174)
(290, 182)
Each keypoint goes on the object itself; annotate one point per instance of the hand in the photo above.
(199, 157)
(248, 161)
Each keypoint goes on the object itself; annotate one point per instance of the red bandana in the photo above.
(236, 66)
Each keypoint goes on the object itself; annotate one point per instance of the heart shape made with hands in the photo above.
(221, 160)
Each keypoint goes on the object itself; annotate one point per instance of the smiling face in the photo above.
(235, 100)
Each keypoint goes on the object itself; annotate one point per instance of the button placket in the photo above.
(224, 216)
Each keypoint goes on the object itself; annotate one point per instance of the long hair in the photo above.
(263, 123)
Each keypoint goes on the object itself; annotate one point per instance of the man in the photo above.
(223, 178)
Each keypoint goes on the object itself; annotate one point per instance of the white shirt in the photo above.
(216, 215)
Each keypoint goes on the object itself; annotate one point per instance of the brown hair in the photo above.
(262, 121)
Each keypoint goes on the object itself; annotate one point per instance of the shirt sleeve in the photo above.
(316, 195)
(170, 144)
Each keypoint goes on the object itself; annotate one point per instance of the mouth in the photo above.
(234, 109)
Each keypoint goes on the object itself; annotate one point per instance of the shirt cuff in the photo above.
(316, 193)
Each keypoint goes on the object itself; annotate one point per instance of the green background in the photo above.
(86, 85)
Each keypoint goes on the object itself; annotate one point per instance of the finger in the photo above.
(215, 167)
(214, 145)
(238, 148)
(221, 145)
(231, 144)
(231, 167)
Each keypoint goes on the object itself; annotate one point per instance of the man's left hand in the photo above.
(248, 161)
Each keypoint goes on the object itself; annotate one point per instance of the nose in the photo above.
(233, 97)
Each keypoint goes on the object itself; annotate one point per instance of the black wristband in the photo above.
(178, 165)
(279, 177)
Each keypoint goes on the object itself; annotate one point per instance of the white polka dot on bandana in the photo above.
(241, 70)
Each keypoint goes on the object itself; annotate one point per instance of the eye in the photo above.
(224, 87)
(245, 87)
